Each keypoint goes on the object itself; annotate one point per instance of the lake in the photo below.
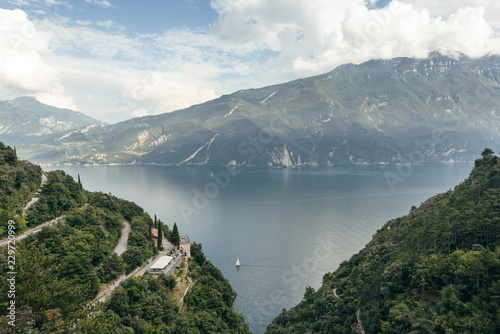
(288, 227)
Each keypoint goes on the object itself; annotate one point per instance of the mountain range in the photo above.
(444, 108)
(25, 118)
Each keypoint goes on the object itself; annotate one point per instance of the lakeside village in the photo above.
(171, 257)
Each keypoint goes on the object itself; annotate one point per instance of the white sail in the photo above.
(238, 262)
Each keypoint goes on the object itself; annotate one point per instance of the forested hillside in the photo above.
(18, 181)
(144, 304)
(61, 269)
(435, 270)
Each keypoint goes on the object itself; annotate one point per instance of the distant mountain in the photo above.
(25, 120)
(439, 109)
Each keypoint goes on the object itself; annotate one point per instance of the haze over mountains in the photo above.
(440, 109)
(25, 118)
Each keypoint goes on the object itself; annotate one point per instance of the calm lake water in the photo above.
(288, 227)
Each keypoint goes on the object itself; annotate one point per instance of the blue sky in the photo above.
(114, 60)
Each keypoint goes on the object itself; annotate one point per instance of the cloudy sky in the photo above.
(114, 60)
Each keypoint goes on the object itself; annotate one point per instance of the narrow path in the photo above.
(35, 197)
(105, 293)
(358, 328)
(4, 242)
(190, 282)
(121, 247)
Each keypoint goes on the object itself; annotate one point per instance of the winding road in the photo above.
(105, 293)
(35, 197)
(121, 247)
(4, 242)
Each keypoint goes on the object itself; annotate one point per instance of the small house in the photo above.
(154, 235)
(185, 246)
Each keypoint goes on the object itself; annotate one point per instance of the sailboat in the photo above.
(238, 263)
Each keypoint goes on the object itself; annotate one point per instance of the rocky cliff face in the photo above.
(444, 108)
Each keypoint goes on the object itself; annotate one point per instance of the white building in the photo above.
(185, 247)
(163, 265)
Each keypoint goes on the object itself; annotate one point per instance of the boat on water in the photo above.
(238, 263)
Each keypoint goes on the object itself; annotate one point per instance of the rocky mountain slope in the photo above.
(440, 109)
(25, 120)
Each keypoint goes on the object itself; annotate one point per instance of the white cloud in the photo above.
(102, 3)
(87, 39)
(139, 113)
(23, 69)
(311, 37)
(251, 44)
(41, 6)
(447, 8)
(19, 2)
(56, 98)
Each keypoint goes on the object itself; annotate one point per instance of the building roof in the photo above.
(162, 262)
(185, 240)
(154, 233)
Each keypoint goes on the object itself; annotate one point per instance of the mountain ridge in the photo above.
(25, 118)
(398, 111)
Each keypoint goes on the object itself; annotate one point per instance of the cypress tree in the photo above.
(175, 237)
(149, 224)
(160, 236)
(155, 221)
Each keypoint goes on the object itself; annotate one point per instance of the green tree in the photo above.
(487, 152)
(133, 258)
(175, 237)
(150, 227)
(160, 235)
(112, 267)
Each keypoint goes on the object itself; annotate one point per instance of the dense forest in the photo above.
(144, 304)
(18, 181)
(435, 270)
(63, 267)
